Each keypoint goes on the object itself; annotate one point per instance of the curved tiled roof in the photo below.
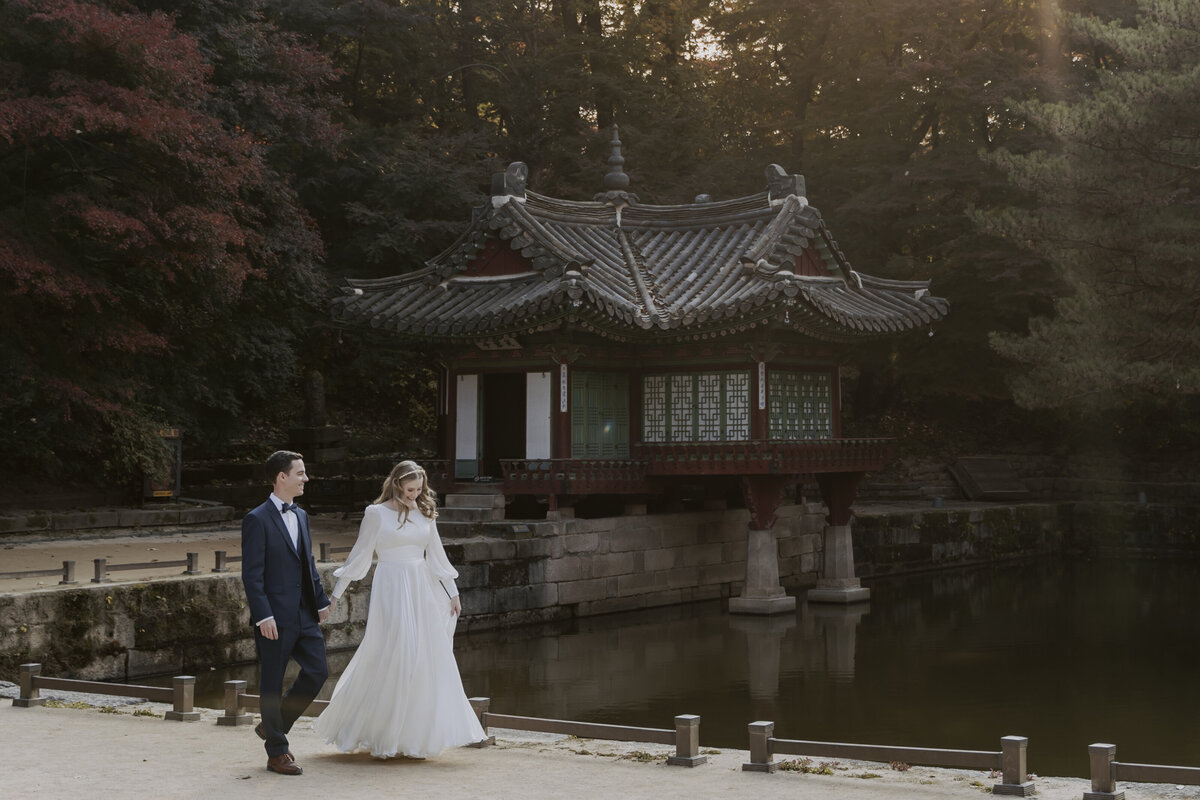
(624, 270)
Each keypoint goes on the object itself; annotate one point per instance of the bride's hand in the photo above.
(455, 605)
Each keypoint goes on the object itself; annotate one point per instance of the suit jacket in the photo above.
(280, 581)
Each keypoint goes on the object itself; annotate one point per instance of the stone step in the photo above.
(449, 529)
(475, 500)
(460, 514)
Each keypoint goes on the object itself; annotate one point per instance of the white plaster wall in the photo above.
(466, 424)
(538, 400)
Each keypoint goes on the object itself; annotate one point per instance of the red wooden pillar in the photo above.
(760, 428)
(561, 444)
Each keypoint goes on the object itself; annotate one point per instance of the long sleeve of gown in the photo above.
(358, 563)
(439, 563)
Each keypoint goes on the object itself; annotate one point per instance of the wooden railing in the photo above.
(764, 456)
(575, 476)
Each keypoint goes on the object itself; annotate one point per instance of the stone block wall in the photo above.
(896, 542)
(566, 569)
(582, 567)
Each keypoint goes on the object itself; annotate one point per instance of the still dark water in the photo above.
(1065, 653)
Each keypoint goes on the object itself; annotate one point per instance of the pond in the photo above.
(1066, 653)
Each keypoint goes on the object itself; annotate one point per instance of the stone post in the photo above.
(837, 583)
(760, 748)
(184, 698)
(234, 712)
(1012, 762)
(1104, 773)
(30, 695)
(762, 593)
(480, 706)
(687, 742)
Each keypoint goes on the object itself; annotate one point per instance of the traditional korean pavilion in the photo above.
(612, 347)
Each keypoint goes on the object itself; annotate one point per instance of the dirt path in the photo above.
(71, 753)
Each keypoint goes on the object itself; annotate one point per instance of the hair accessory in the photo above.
(417, 471)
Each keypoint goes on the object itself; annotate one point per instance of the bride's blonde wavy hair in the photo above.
(407, 471)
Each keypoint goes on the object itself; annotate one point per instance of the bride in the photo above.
(401, 694)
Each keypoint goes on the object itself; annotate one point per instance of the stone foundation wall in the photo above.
(897, 542)
(581, 567)
(570, 568)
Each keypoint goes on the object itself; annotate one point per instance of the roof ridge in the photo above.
(636, 269)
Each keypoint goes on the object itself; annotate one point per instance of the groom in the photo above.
(287, 603)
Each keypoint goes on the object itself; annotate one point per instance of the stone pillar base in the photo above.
(762, 605)
(1026, 789)
(843, 595)
(235, 720)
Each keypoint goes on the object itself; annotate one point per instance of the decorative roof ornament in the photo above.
(615, 180)
(780, 185)
(510, 183)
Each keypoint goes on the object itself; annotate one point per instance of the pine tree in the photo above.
(1115, 212)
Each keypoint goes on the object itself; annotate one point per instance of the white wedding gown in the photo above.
(401, 693)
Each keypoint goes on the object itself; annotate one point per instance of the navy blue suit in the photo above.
(281, 581)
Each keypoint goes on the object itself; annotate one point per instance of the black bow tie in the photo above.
(286, 507)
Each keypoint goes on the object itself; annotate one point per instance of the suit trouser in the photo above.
(306, 646)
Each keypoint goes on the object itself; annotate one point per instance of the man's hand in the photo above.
(324, 613)
(269, 629)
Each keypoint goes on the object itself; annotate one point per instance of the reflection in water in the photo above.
(1064, 653)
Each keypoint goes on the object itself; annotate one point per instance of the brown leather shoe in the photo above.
(284, 765)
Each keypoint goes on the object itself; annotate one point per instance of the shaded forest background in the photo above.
(183, 185)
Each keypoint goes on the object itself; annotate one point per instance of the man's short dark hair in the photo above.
(281, 461)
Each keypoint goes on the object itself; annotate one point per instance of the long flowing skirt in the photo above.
(401, 693)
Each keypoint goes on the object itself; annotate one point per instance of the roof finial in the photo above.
(616, 179)
(616, 182)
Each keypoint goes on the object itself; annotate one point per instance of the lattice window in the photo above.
(708, 407)
(654, 408)
(737, 406)
(800, 405)
(683, 404)
(696, 406)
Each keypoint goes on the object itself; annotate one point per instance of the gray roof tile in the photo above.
(628, 271)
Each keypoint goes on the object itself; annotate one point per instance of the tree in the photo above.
(1115, 212)
(153, 262)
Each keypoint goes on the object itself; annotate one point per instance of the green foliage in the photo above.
(156, 265)
(1114, 209)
